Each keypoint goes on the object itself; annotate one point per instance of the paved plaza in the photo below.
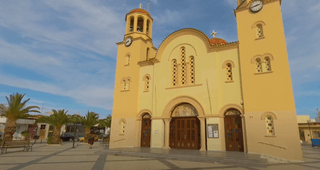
(101, 158)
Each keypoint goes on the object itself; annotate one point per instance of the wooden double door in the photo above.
(185, 133)
(145, 132)
(233, 133)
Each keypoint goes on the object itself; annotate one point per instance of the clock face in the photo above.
(256, 6)
(128, 42)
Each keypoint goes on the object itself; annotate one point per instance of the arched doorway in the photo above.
(233, 131)
(146, 130)
(184, 128)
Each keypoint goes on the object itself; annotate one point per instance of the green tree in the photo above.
(3, 108)
(57, 120)
(89, 121)
(17, 109)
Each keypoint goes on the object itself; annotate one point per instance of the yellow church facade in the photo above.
(206, 94)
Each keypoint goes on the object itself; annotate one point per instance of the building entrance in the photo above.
(184, 128)
(233, 131)
(146, 130)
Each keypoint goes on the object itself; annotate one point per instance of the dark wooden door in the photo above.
(145, 132)
(233, 133)
(185, 133)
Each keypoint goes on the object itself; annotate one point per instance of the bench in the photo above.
(25, 144)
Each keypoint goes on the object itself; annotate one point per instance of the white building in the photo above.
(22, 125)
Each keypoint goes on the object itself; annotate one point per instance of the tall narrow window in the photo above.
(183, 67)
(258, 65)
(140, 25)
(123, 126)
(192, 71)
(147, 55)
(259, 31)
(127, 60)
(267, 63)
(124, 85)
(128, 85)
(270, 125)
(174, 72)
(229, 72)
(147, 83)
(131, 24)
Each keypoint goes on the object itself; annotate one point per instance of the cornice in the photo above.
(244, 6)
(148, 62)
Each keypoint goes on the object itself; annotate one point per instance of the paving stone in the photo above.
(135, 165)
(189, 164)
(60, 166)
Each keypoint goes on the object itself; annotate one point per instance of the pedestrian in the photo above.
(91, 140)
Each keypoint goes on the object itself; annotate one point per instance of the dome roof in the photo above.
(217, 41)
(141, 11)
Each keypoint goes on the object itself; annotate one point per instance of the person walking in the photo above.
(91, 140)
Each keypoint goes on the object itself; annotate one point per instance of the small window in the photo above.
(270, 125)
(147, 84)
(174, 69)
(123, 126)
(192, 70)
(229, 72)
(260, 31)
(258, 65)
(140, 25)
(128, 85)
(267, 64)
(183, 65)
(127, 60)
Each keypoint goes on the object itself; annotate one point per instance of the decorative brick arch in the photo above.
(257, 23)
(142, 112)
(182, 99)
(122, 120)
(227, 107)
(274, 116)
(226, 62)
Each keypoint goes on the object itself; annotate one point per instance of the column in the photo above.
(166, 133)
(145, 25)
(203, 133)
(135, 24)
(138, 133)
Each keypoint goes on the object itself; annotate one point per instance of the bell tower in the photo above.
(266, 81)
(139, 24)
(135, 51)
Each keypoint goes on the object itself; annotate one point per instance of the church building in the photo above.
(201, 93)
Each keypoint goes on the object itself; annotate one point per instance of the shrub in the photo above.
(50, 140)
(25, 133)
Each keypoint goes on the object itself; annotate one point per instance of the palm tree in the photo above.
(89, 121)
(16, 110)
(57, 120)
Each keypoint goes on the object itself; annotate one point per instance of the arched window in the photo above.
(147, 55)
(229, 72)
(131, 24)
(270, 125)
(267, 63)
(260, 31)
(123, 126)
(147, 83)
(128, 84)
(140, 25)
(174, 69)
(192, 70)
(148, 25)
(258, 65)
(183, 65)
(127, 60)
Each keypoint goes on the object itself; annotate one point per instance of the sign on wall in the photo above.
(213, 131)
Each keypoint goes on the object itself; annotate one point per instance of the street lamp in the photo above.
(309, 121)
(75, 131)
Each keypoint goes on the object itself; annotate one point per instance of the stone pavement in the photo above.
(100, 158)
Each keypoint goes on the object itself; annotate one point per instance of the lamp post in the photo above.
(75, 131)
(310, 130)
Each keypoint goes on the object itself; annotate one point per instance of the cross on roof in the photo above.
(214, 34)
(140, 6)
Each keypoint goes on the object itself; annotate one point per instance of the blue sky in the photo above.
(62, 54)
